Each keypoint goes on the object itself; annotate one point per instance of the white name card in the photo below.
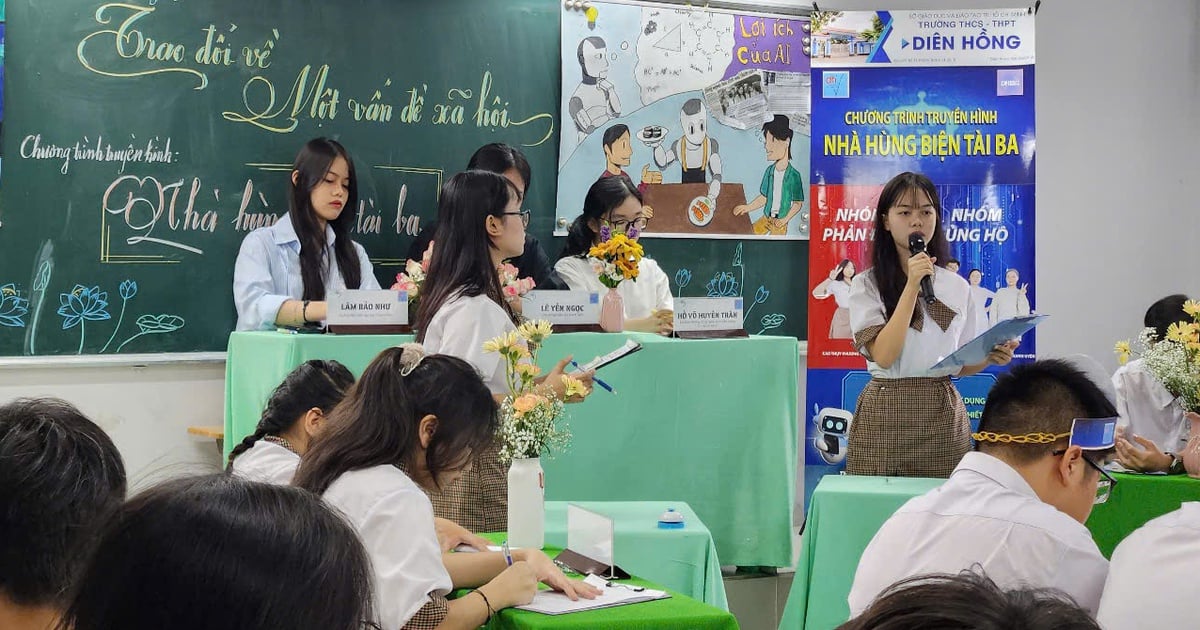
(563, 307)
(708, 314)
(368, 308)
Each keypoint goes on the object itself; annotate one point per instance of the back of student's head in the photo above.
(1042, 397)
(969, 601)
(378, 422)
(604, 196)
(313, 384)
(217, 552)
(1165, 312)
(61, 478)
(462, 260)
(499, 158)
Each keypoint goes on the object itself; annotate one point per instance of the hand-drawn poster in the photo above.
(946, 93)
(707, 111)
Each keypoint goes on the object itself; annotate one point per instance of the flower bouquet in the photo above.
(1175, 363)
(530, 425)
(614, 260)
(512, 286)
(412, 278)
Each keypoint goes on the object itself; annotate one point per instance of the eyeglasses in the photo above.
(1106, 484)
(524, 214)
(621, 225)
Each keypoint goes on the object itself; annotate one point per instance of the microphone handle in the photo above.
(927, 289)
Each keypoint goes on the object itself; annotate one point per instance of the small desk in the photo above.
(670, 203)
(682, 560)
(678, 611)
(846, 511)
(710, 422)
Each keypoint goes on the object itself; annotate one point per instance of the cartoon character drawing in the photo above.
(595, 101)
(781, 194)
(833, 433)
(697, 153)
(618, 152)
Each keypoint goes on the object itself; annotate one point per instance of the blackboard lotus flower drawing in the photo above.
(13, 307)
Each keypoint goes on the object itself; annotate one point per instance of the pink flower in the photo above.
(511, 290)
(426, 257)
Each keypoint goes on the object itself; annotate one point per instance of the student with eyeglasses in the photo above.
(616, 204)
(1017, 504)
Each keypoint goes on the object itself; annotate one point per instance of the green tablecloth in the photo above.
(1137, 499)
(710, 422)
(682, 560)
(843, 516)
(846, 512)
(678, 611)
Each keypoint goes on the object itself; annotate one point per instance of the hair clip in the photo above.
(411, 355)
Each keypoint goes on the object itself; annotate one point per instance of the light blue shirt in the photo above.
(267, 273)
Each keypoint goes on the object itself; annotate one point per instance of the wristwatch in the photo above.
(1176, 466)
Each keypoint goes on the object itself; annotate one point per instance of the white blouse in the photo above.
(1007, 303)
(459, 329)
(922, 349)
(267, 462)
(394, 519)
(981, 296)
(1148, 409)
(650, 292)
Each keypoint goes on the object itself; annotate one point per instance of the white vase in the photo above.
(526, 504)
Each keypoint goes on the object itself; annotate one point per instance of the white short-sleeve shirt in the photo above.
(394, 520)
(985, 514)
(1152, 579)
(460, 328)
(650, 292)
(923, 348)
(267, 462)
(1147, 408)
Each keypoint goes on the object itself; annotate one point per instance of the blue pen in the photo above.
(594, 379)
(507, 553)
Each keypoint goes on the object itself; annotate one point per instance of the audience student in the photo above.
(1015, 506)
(1151, 581)
(61, 478)
(411, 423)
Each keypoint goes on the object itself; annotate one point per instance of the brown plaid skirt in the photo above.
(908, 427)
(478, 500)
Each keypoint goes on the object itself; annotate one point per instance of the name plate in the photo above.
(563, 308)
(367, 308)
(709, 317)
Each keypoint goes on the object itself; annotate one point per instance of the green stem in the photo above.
(129, 339)
(82, 332)
(114, 332)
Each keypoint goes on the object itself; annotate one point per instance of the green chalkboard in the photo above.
(142, 140)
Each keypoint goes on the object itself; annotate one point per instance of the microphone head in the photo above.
(916, 243)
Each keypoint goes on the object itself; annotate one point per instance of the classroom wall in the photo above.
(1117, 86)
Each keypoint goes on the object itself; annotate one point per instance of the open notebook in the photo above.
(555, 603)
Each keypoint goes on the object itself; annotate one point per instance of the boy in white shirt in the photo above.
(1015, 506)
(1152, 581)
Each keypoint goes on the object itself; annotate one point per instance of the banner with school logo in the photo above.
(946, 93)
(706, 110)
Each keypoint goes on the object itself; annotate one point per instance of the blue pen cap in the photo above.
(670, 520)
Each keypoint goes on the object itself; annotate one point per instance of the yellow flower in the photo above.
(1175, 332)
(502, 344)
(1122, 349)
(525, 403)
(535, 331)
(528, 370)
(573, 387)
(1192, 307)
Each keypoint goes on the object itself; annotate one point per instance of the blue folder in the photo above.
(975, 351)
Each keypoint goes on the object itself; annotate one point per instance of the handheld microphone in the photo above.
(916, 245)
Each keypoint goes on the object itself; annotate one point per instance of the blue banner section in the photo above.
(956, 125)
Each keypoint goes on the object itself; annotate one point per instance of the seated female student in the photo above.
(508, 161)
(217, 551)
(614, 202)
(410, 424)
(284, 272)
(909, 419)
(294, 416)
(480, 223)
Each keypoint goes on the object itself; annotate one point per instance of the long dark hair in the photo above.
(604, 195)
(217, 551)
(462, 260)
(841, 276)
(499, 158)
(311, 165)
(378, 422)
(886, 261)
(315, 383)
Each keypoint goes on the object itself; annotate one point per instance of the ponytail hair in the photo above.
(320, 384)
(606, 194)
(379, 421)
